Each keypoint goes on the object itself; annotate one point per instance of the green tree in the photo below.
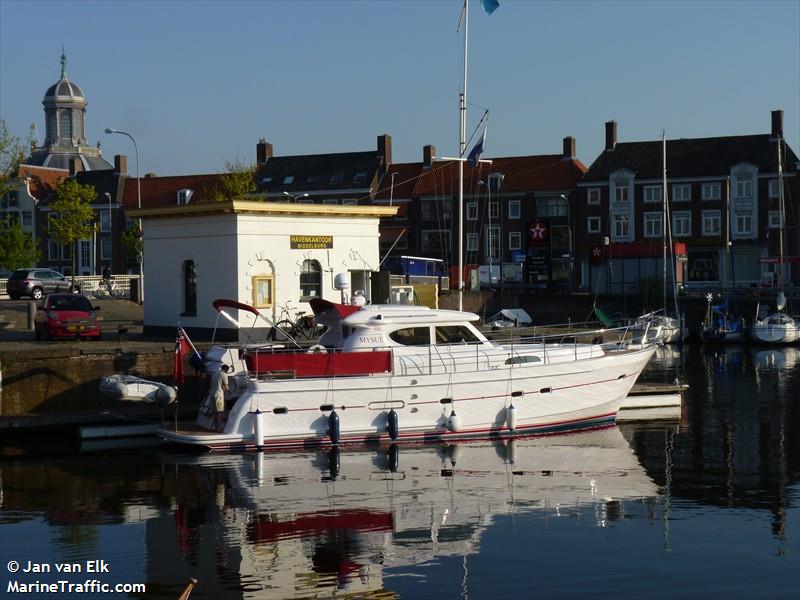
(131, 240)
(73, 204)
(12, 153)
(17, 248)
(236, 183)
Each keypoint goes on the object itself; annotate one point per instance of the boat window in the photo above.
(310, 280)
(411, 336)
(454, 334)
(280, 410)
(521, 360)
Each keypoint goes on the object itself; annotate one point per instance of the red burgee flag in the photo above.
(182, 347)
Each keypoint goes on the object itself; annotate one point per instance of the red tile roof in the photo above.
(522, 174)
(43, 180)
(404, 181)
(163, 191)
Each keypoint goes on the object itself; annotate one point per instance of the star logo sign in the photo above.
(537, 231)
(596, 251)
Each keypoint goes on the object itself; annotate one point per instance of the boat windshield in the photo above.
(411, 336)
(454, 334)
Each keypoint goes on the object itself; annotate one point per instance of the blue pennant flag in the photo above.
(489, 6)
(475, 154)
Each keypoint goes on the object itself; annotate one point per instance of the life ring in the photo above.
(317, 349)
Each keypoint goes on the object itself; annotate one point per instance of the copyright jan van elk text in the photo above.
(27, 571)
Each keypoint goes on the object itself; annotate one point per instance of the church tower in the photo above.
(65, 129)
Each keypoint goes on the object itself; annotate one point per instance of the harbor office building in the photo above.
(265, 254)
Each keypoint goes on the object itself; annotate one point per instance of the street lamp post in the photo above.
(293, 197)
(391, 189)
(110, 238)
(139, 257)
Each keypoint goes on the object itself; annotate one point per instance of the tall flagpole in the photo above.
(462, 134)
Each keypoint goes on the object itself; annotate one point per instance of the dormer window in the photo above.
(184, 196)
(336, 178)
(360, 176)
(266, 179)
(288, 179)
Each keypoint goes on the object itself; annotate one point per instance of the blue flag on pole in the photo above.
(489, 6)
(475, 154)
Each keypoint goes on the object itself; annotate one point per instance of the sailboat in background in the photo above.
(777, 328)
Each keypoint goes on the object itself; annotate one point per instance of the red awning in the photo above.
(223, 303)
(318, 305)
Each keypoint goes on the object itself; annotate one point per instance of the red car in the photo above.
(66, 316)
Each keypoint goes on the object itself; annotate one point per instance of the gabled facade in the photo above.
(722, 192)
(516, 216)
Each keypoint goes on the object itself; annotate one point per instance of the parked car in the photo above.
(66, 316)
(36, 283)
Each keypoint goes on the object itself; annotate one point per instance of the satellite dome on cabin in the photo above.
(65, 129)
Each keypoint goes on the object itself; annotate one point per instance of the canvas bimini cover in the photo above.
(513, 316)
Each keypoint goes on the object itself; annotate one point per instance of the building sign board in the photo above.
(311, 242)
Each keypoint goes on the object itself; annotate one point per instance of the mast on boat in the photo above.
(782, 218)
(462, 134)
(664, 214)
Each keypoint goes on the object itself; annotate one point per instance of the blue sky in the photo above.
(198, 83)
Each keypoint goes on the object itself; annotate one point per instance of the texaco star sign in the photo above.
(596, 251)
(538, 231)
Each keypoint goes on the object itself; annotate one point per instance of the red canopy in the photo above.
(223, 303)
(318, 305)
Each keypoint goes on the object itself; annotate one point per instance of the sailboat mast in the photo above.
(462, 134)
(780, 207)
(664, 213)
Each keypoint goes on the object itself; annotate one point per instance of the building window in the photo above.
(492, 249)
(774, 219)
(52, 250)
(105, 221)
(66, 251)
(712, 191)
(472, 211)
(330, 201)
(681, 192)
(310, 280)
(105, 249)
(514, 211)
(349, 201)
(436, 243)
(263, 291)
(711, 222)
(514, 240)
(472, 242)
(593, 224)
(652, 224)
(27, 218)
(189, 288)
(774, 188)
(621, 191)
(552, 206)
(494, 210)
(66, 124)
(743, 222)
(682, 223)
(288, 179)
(744, 186)
(435, 211)
(652, 193)
(360, 176)
(703, 266)
(593, 196)
(621, 226)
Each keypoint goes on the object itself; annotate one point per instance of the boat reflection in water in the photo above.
(334, 521)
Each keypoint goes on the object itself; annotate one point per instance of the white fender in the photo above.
(454, 422)
(258, 428)
(511, 417)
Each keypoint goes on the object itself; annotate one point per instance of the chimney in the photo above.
(777, 123)
(385, 148)
(75, 165)
(611, 134)
(569, 148)
(428, 154)
(121, 164)
(263, 152)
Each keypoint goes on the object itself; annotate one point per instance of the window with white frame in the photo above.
(743, 222)
(492, 248)
(711, 191)
(744, 186)
(681, 192)
(652, 224)
(711, 222)
(472, 242)
(621, 226)
(774, 188)
(593, 196)
(105, 249)
(514, 240)
(27, 218)
(105, 221)
(774, 221)
(494, 210)
(621, 191)
(514, 211)
(652, 193)
(593, 224)
(472, 211)
(682, 223)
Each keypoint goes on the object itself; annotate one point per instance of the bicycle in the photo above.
(106, 288)
(303, 326)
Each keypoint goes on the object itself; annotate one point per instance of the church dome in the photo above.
(63, 89)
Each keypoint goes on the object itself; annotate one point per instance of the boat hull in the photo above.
(775, 334)
(546, 398)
